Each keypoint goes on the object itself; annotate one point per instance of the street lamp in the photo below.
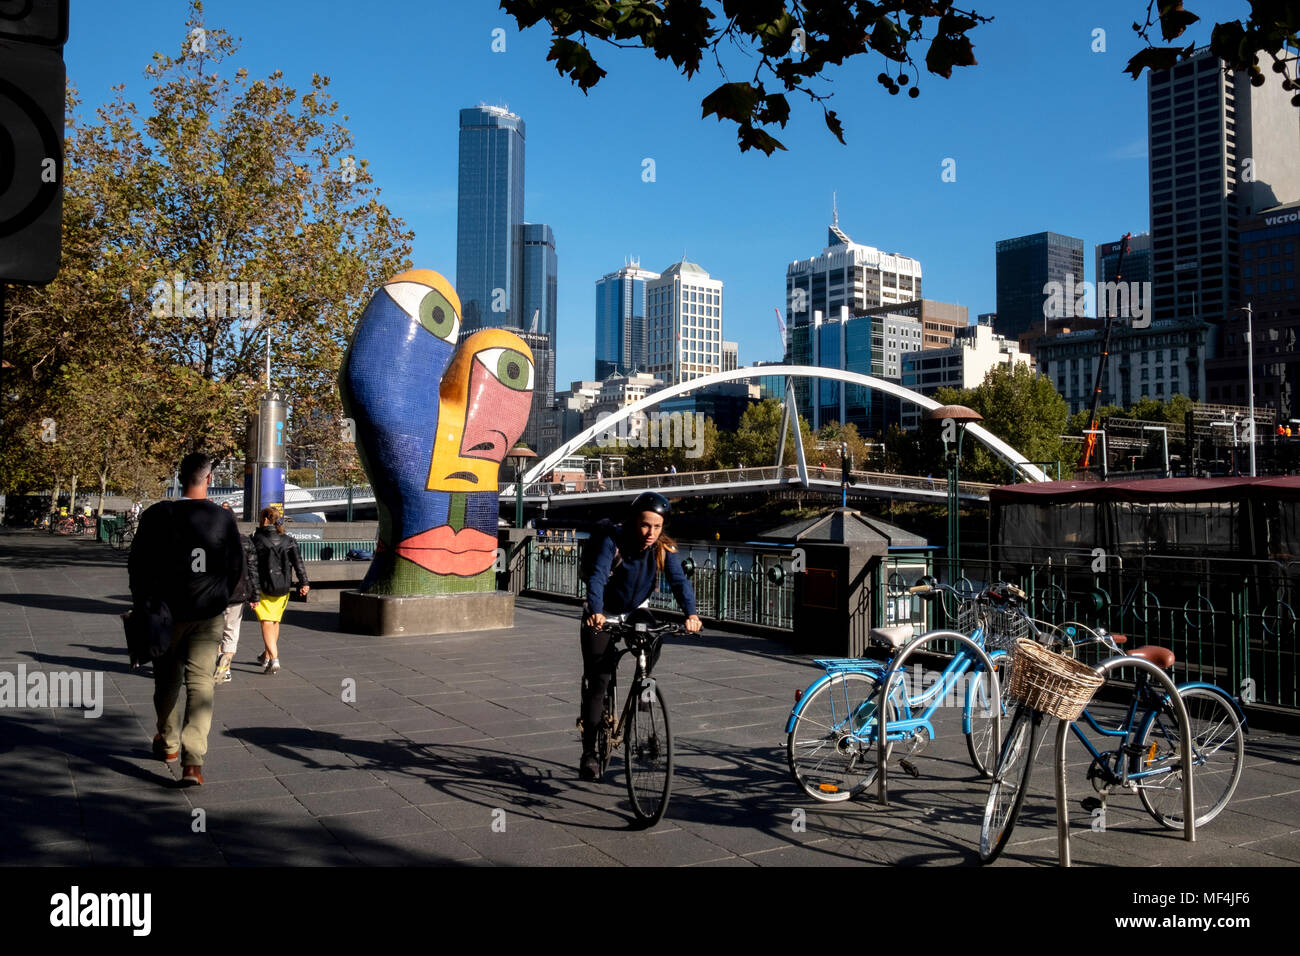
(517, 456)
(954, 418)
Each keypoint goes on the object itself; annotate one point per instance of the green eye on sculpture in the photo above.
(512, 368)
(437, 316)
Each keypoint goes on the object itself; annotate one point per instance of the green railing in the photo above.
(1229, 622)
(310, 550)
(734, 584)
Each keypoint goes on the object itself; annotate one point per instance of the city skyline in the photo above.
(1027, 155)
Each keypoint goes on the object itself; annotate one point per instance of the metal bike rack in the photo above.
(882, 712)
(1185, 742)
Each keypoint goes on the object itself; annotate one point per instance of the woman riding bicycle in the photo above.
(623, 574)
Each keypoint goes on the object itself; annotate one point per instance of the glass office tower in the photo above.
(1025, 265)
(490, 214)
(620, 321)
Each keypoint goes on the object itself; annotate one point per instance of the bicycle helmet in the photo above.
(652, 501)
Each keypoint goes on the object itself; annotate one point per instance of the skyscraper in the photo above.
(1025, 265)
(538, 319)
(538, 278)
(490, 212)
(620, 320)
(683, 323)
(1219, 149)
(847, 275)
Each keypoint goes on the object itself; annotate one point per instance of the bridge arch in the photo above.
(991, 441)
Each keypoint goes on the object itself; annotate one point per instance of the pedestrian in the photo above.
(277, 560)
(245, 593)
(186, 553)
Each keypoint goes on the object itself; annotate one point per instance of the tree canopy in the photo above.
(792, 43)
(226, 207)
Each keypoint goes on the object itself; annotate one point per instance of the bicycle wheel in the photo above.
(1218, 748)
(648, 749)
(1010, 783)
(832, 746)
(127, 537)
(980, 742)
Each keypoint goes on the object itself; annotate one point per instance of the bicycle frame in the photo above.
(931, 698)
(1138, 730)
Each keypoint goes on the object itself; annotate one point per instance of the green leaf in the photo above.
(733, 101)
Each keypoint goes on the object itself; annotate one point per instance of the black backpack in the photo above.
(604, 528)
(274, 571)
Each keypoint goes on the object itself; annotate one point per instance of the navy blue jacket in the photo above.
(632, 581)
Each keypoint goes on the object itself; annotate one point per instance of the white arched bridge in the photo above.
(724, 481)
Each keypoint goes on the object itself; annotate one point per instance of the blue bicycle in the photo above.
(832, 737)
(1146, 758)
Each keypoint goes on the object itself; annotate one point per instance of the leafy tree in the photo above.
(1022, 408)
(793, 42)
(230, 207)
(755, 440)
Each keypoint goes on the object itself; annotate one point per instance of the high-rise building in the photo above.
(620, 320)
(868, 344)
(1219, 149)
(538, 279)
(1269, 263)
(1136, 266)
(490, 212)
(1025, 265)
(730, 356)
(683, 323)
(847, 275)
(543, 389)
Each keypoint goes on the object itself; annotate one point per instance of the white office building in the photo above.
(683, 324)
(975, 350)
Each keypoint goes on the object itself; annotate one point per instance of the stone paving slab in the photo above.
(460, 749)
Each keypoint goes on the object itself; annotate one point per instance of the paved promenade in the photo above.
(462, 750)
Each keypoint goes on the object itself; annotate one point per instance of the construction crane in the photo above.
(1090, 438)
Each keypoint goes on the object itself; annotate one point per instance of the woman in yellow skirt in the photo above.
(277, 560)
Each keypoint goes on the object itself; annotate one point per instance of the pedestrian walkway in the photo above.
(462, 749)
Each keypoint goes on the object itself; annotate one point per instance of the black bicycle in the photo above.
(641, 727)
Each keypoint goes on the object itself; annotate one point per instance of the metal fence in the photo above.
(1229, 622)
(731, 583)
(311, 550)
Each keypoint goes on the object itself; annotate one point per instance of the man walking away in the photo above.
(187, 553)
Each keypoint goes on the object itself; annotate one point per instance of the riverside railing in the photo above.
(732, 583)
(1229, 622)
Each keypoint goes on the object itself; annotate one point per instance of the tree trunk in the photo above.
(54, 500)
(103, 490)
(72, 495)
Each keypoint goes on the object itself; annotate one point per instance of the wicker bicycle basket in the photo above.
(1052, 683)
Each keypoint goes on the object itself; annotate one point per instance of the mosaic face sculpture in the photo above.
(433, 422)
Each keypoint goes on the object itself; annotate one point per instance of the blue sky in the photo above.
(1046, 135)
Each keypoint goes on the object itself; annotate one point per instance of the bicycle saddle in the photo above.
(1162, 657)
(894, 637)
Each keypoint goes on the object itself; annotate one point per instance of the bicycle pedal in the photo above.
(909, 767)
(1090, 804)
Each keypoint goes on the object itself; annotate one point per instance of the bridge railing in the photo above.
(764, 474)
(730, 583)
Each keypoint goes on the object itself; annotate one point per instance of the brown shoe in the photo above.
(162, 753)
(192, 776)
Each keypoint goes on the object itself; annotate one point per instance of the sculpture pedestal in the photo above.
(385, 615)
